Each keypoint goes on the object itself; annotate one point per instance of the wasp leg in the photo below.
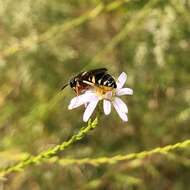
(77, 91)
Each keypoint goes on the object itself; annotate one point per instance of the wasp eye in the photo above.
(72, 83)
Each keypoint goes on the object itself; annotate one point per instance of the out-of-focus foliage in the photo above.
(44, 43)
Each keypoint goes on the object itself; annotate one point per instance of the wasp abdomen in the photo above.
(106, 80)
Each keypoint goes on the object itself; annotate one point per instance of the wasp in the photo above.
(97, 78)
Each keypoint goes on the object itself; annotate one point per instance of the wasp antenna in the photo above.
(64, 86)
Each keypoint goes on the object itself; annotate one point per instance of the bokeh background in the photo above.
(43, 43)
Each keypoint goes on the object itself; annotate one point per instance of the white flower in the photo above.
(91, 98)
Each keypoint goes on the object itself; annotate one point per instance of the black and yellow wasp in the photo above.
(97, 78)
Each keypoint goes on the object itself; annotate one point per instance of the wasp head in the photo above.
(73, 83)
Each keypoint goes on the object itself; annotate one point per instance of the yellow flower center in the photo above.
(103, 92)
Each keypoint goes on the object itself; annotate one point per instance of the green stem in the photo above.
(50, 152)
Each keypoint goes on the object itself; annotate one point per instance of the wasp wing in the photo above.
(84, 75)
(98, 71)
(92, 75)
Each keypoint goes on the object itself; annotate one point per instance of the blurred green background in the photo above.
(44, 43)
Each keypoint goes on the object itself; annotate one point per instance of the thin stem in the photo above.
(31, 160)
(115, 159)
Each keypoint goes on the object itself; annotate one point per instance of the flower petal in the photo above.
(108, 95)
(124, 91)
(89, 110)
(81, 99)
(107, 107)
(121, 80)
(121, 104)
(122, 115)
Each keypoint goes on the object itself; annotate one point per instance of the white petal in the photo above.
(122, 115)
(124, 91)
(89, 110)
(121, 80)
(108, 95)
(81, 99)
(121, 104)
(107, 107)
(75, 102)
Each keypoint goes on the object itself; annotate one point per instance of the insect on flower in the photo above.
(97, 78)
(92, 96)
